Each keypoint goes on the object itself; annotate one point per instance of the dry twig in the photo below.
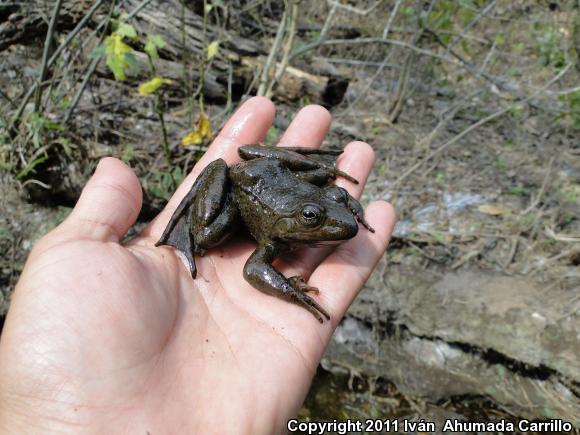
(534, 203)
(291, 33)
(479, 124)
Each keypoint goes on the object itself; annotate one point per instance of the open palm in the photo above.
(108, 338)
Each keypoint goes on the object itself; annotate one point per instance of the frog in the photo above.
(285, 197)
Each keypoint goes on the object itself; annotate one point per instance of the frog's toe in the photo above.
(310, 304)
(364, 223)
(345, 176)
(300, 285)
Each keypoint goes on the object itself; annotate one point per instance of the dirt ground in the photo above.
(474, 311)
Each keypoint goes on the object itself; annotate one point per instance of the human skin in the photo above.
(104, 337)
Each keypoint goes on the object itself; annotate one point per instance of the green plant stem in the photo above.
(161, 115)
(47, 44)
(90, 70)
(185, 65)
(166, 151)
(203, 56)
(51, 62)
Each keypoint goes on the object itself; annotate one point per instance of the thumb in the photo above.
(108, 206)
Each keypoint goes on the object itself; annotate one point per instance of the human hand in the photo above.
(104, 337)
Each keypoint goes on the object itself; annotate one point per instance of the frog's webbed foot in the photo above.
(177, 232)
(340, 195)
(259, 272)
(305, 301)
(300, 297)
(300, 283)
(295, 158)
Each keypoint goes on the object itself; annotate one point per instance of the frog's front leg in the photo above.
(259, 272)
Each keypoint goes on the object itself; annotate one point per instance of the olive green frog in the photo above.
(283, 197)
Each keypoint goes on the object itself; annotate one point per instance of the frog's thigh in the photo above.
(213, 185)
(177, 232)
(219, 229)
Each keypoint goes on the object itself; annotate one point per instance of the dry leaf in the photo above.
(491, 209)
(201, 130)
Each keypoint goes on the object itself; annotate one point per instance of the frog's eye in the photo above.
(311, 214)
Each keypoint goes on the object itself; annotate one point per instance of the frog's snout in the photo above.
(341, 229)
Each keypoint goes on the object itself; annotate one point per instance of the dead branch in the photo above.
(353, 9)
(291, 33)
(323, 33)
(262, 86)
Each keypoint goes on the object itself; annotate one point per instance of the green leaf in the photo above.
(212, 49)
(98, 52)
(271, 136)
(128, 153)
(152, 85)
(30, 167)
(132, 64)
(126, 30)
(118, 59)
(154, 42)
(178, 175)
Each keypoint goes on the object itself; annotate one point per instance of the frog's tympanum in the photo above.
(283, 197)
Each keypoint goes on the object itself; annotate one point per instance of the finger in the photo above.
(308, 128)
(357, 160)
(343, 273)
(108, 205)
(249, 124)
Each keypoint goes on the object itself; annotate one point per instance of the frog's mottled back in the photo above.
(272, 201)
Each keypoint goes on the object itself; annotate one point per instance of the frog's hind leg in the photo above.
(254, 151)
(319, 177)
(293, 158)
(177, 232)
(208, 186)
(219, 230)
